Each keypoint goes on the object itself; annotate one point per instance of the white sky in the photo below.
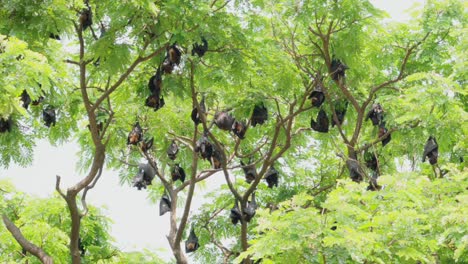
(136, 222)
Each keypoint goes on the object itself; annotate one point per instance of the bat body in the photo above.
(49, 117)
(259, 115)
(322, 123)
(431, 150)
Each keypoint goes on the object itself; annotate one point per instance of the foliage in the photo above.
(411, 219)
(266, 52)
(43, 221)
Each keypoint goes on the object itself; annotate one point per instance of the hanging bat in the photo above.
(235, 213)
(147, 144)
(217, 158)
(174, 54)
(375, 114)
(239, 129)
(26, 99)
(259, 115)
(340, 110)
(6, 124)
(249, 171)
(145, 176)
(250, 209)
(317, 97)
(373, 186)
(338, 69)
(178, 173)
(155, 102)
(136, 135)
(371, 160)
(224, 121)
(204, 147)
(164, 205)
(322, 123)
(155, 83)
(200, 49)
(167, 66)
(48, 115)
(382, 131)
(191, 244)
(196, 116)
(172, 150)
(86, 18)
(271, 177)
(355, 170)
(431, 150)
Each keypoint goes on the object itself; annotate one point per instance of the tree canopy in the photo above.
(341, 136)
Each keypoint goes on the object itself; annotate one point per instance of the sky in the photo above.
(126, 206)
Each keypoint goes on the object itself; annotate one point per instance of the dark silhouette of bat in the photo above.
(322, 123)
(259, 115)
(431, 150)
(271, 177)
(145, 176)
(191, 244)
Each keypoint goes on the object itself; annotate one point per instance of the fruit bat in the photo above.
(205, 147)
(382, 132)
(375, 114)
(174, 54)
(235, 213)
(271, 177)
(371, 160)
(136, 135)
(340, 110)
(338, 69)
(250, 209)
(196, 116)
(147, 144)
(155, 102)
(86, 18)
(431, 150)
(5, 124)
(249, 171)
(317, 97)
(164, 205)
(38, 101)
(178, 173)
(224, 121)
(191, 244)
(217, 158)
(172, 150)
(155, 83)
(322, 122)
(26, 99)
(373, 186)
(48, 115)
(239, 129)
(259, 115)
(54, 36)
(81, 247)
(145, 176)
(167, 66)
(355, 170)
(200, 49)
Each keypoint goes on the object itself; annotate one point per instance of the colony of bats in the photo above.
(226, 122)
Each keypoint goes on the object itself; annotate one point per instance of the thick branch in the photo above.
(25, 244)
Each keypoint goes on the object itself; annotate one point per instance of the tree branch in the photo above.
(25, 244)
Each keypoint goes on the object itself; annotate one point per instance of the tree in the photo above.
(272, 54)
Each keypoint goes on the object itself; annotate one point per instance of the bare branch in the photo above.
(57, 186)
(85, 192)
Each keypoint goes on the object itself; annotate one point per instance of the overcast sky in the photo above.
(136, 222)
